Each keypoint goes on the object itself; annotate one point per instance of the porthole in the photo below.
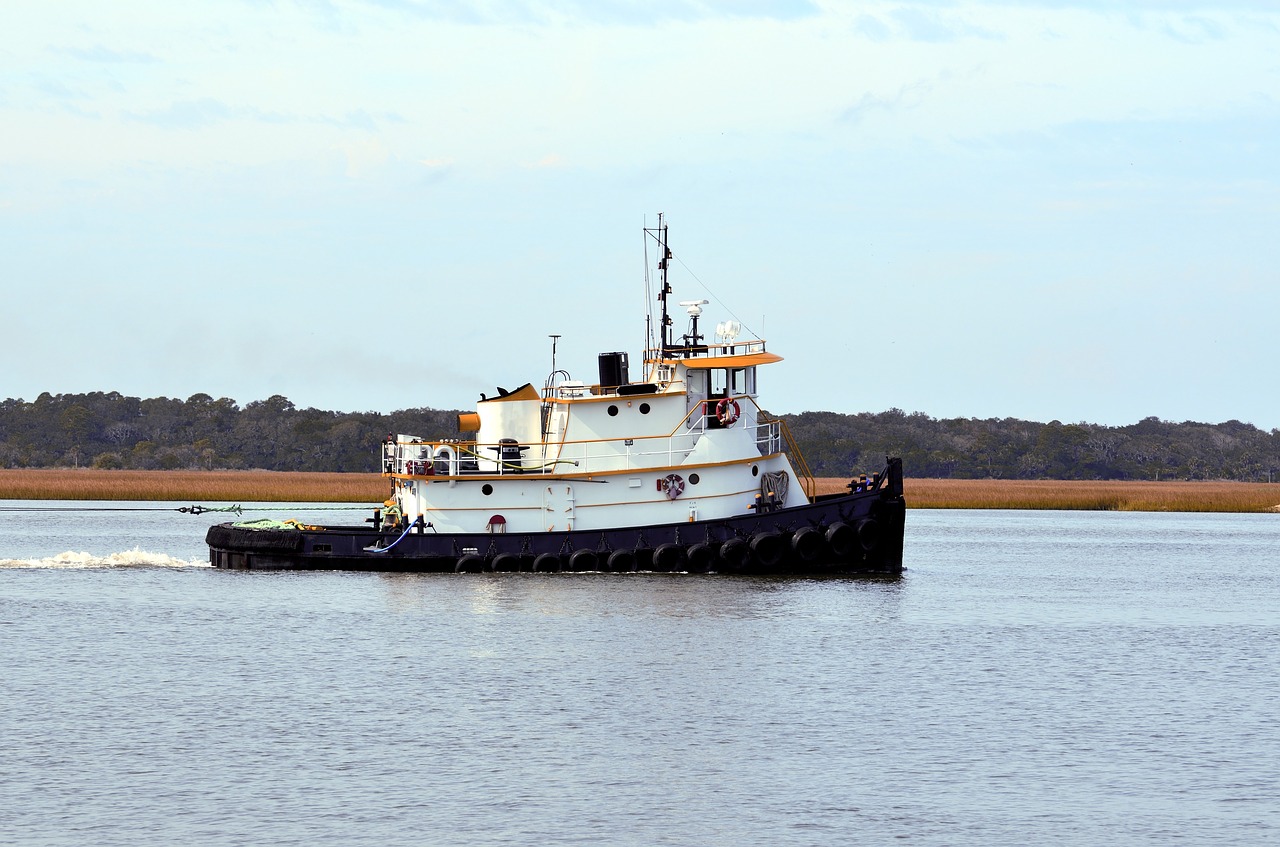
(644, 408)
(755, 470)
(486, 489)
(613, 411)
(694, 479)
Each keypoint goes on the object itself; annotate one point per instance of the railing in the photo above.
(712, 349)
(453, 458)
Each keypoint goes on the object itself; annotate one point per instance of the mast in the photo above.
(663, 261)
(659, 233)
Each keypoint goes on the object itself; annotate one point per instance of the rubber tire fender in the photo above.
(506, 562)
(668, 557)
(734, 554)
(584, 560)
(869, 534)
(622, 561)
(807, 543)
(700, 557)
(471, 563)
(842, 539)
(547, 563)
(767, 548)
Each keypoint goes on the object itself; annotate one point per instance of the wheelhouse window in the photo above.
(727, 382)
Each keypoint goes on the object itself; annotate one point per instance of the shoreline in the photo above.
(315, 487)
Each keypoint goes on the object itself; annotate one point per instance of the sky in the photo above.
(1044, 209)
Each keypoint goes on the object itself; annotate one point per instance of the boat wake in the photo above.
(135, 558)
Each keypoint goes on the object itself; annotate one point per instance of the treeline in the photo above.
(109, 430)
(965, 448)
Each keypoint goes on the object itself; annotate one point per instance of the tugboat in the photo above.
(681, 471)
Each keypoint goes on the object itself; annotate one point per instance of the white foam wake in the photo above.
(134, 558)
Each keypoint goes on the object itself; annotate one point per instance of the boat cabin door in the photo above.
(697, 384)
(557, 507)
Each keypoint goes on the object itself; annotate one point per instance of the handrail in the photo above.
(424, 458)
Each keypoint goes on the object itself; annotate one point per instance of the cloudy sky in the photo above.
(1050, 209)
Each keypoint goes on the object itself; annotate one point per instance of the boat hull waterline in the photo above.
(859, 532)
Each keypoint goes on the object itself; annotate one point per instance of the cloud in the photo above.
(914, 23)
(105, 55)
(609, 12)
(207, 111)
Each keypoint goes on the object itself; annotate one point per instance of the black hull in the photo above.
(859, 532)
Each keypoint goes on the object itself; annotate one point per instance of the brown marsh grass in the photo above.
(1104, 495)
(194, 486)
(298, 486)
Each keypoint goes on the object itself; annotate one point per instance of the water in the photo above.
(1072, 678)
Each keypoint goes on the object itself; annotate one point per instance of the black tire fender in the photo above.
(668, 557)
(734, 554)
(471, 563)
(807, 544)
(842, 539)
(767, 548)
(869, 534)
(506, 562)
(584, 560)
(622, 561)
(547, 563)
(700, 557)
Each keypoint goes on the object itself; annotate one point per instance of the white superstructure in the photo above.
(687, 443)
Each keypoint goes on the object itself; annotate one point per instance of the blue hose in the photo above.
(407, 530)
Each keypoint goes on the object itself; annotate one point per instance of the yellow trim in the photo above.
(742, 360)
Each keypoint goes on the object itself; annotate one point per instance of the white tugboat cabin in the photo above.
(688, 442)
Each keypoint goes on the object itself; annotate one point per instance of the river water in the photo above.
(1035, 677)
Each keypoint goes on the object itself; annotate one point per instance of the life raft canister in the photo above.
(728, 411)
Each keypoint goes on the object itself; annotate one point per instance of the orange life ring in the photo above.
(727, 411)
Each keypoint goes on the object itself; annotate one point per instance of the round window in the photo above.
(613, 411)
(694, 479)
(486, 489)
(644, 408)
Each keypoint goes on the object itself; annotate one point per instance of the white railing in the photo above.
(415, 457)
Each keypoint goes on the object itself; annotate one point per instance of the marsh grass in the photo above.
(298, 486)
(1104, 495)
(194, 486)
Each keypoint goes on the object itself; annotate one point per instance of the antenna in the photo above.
(695, 309)
(554, 339)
